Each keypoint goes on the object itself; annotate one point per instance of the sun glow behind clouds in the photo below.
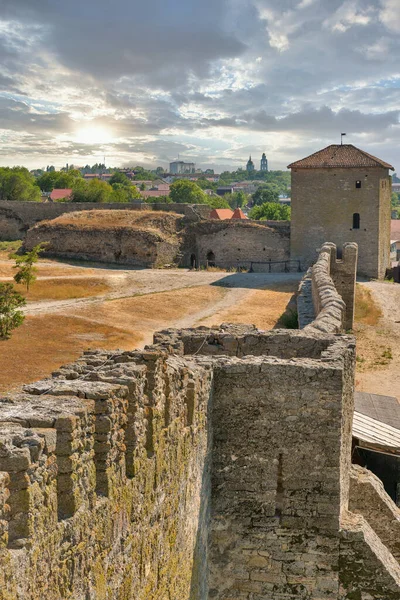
(92, 134)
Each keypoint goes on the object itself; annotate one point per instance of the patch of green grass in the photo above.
(10, 246)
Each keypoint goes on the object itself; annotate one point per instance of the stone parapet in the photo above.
(214, 463)
(368, 498)
(326, 293)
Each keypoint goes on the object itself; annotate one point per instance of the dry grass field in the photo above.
(72, 307)
(64, 289)
(46, 341)
(262, 308)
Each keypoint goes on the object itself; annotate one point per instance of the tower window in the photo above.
(356, 221)
(358, 184)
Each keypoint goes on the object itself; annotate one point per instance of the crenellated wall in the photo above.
(107, 481)
(326, 294)
(213, 464)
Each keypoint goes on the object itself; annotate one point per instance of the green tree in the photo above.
(124, 193)
(143, 187)
(25, 265)
(16, 183)
(236, 200)
(395, 200)
(10, 316)
(270, 211)
(119, 177)
(216, 202)
(266, 193)
(58, 180)
(94, 190)
(184, 191)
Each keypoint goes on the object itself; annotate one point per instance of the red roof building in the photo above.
(60, 194)
(221, 214)
(238, 214)
(395, 229)
(339, 156)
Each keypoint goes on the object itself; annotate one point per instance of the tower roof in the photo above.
(338, 156)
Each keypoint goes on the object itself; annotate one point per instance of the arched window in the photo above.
(356, 221)
(211, 259)
(358, 184)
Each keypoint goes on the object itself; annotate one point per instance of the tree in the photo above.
(26, 273)
(119, 177)
(184, 191)
(216, 202)
(270, 211)
(143, 187)
(236, 200)
(266, 193)
(124, 193)
(16, 183)
(58, 180)
(10, 316)
(395, 200)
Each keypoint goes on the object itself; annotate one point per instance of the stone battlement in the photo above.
(213, 464)
(326, 293)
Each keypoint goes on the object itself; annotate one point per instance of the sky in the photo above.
(211, 82)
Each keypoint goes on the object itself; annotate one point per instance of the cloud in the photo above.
(208, 80)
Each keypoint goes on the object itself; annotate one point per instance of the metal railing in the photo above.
(243, 263)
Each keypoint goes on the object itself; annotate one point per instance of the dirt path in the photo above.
(379, 345)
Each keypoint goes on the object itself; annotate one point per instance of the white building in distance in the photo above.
(179, 167)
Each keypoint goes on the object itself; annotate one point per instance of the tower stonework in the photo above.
(342, 194)
(263, 163)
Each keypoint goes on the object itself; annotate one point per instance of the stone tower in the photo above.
(263, 163)
(342, 194)
(250, 165)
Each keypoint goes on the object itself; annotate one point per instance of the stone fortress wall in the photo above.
(17, 217)
(158, 238)
(326, 294)
(213, 464)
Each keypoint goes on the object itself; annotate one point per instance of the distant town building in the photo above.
(225, 189)
(60, 194)
(179, 167)
(263, 163)
(250, 165)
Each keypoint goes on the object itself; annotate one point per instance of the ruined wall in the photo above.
(326, 293)
(142, 239)
(107, 481)
(122, 246)
(368, 498)
(277, 489)
(237, 243)
(213, 464)
(17, 217)
(323, 203)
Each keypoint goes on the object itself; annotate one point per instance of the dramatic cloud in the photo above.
(211, 81)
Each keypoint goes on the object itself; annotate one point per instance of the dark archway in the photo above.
(210, 259)
(193, 262)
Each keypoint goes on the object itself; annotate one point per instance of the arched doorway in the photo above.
(193, 261)
(210, 259)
